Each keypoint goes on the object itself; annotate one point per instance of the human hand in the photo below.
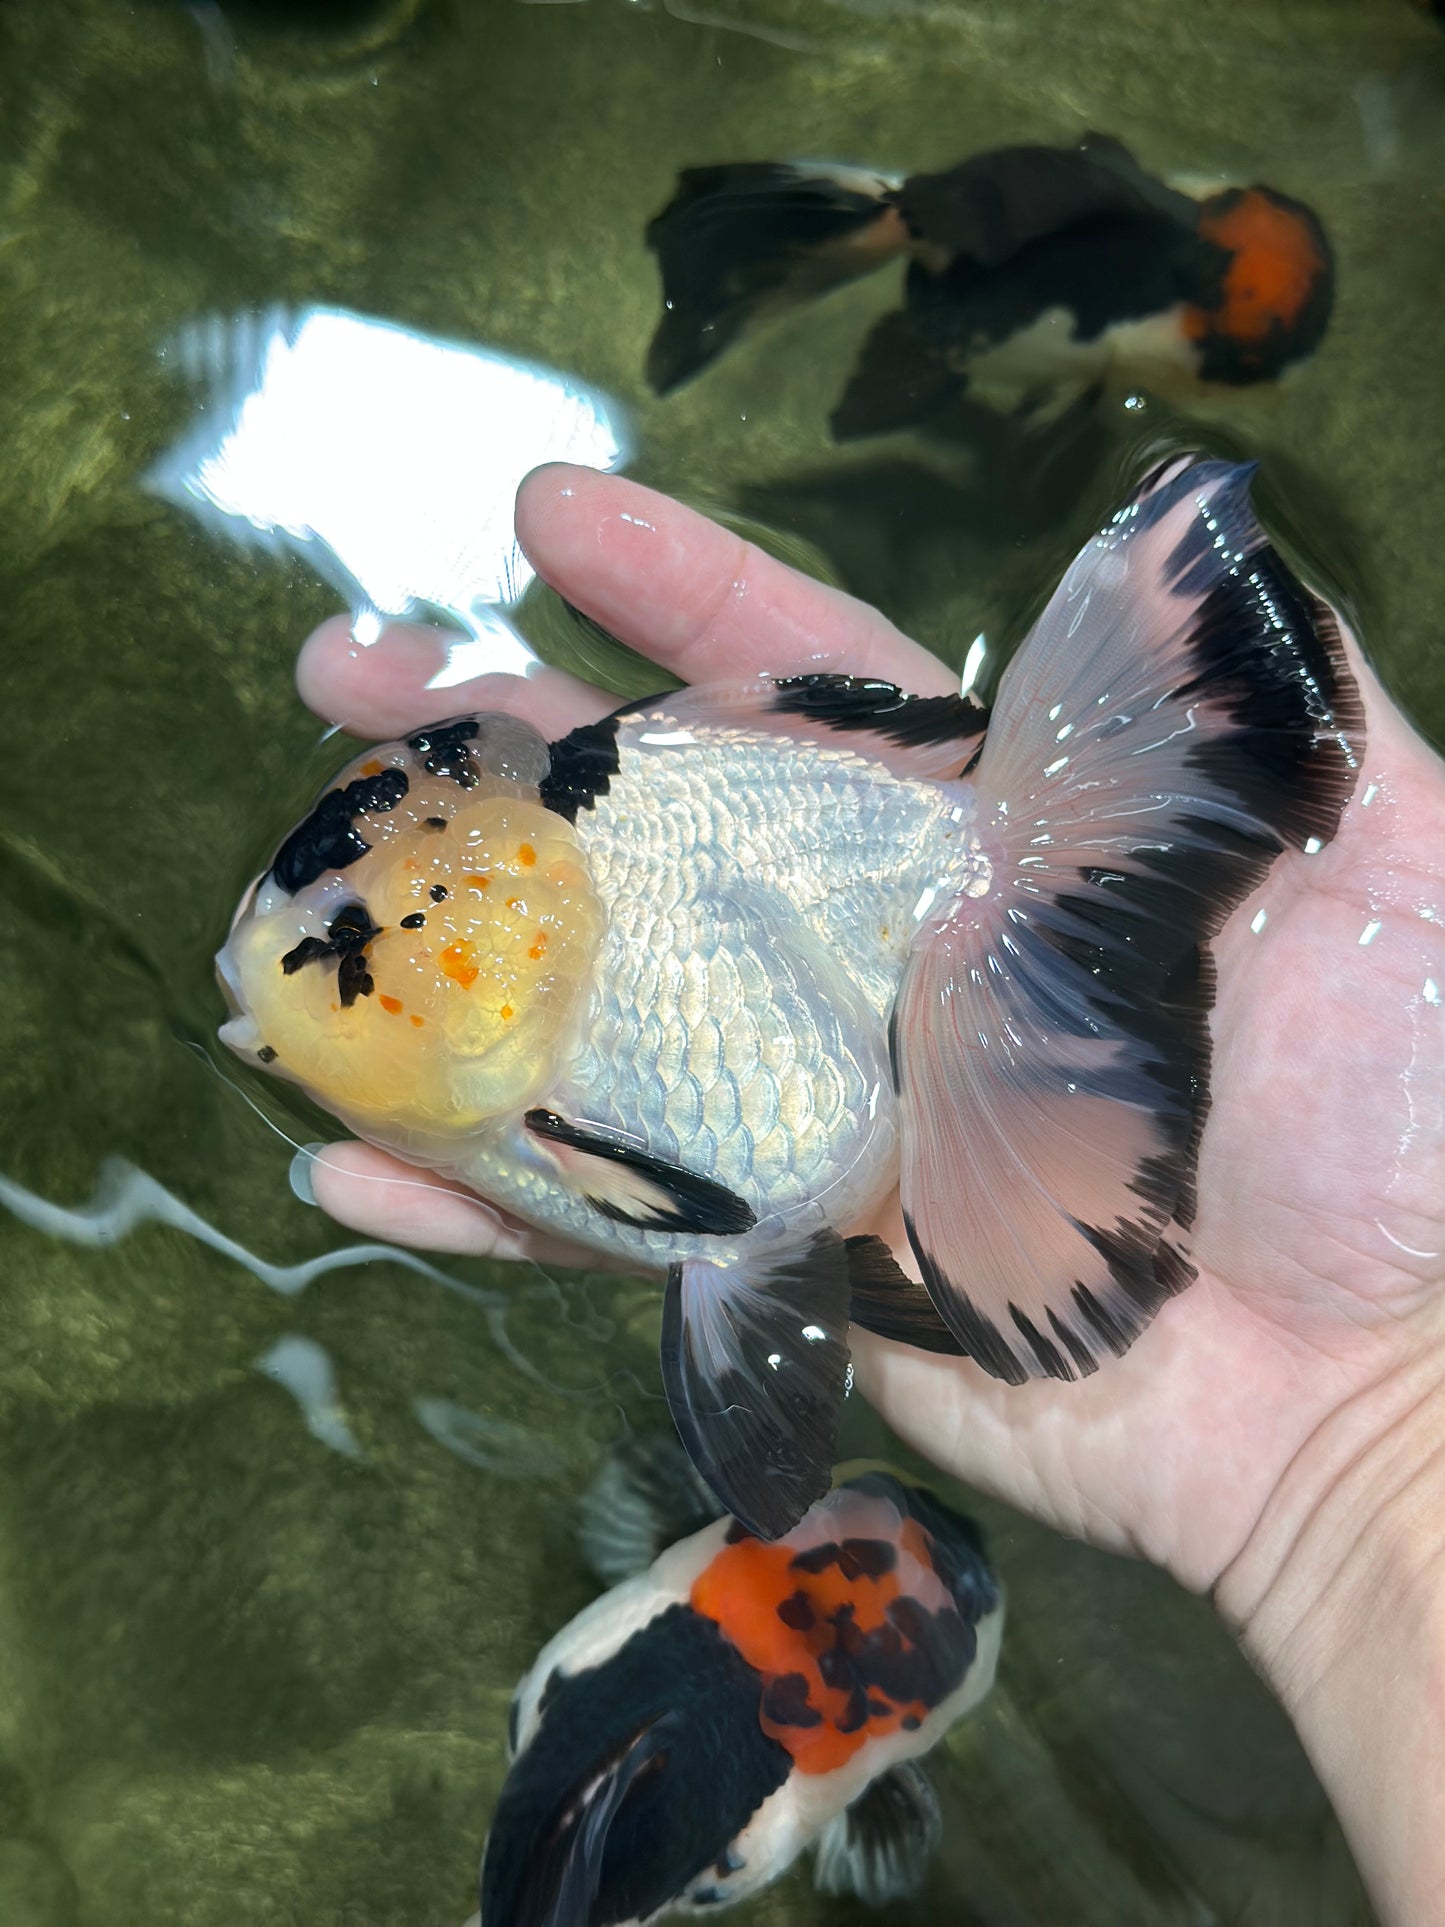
(1283, 1400)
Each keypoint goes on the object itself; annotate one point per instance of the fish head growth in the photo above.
(418, 952)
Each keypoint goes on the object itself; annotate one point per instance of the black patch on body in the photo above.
(445, 750)
(416, 921)
(438, 893)
(327, 839)
(887, 1301)
(862, 703)
(854, 1558)
(693, 1204)
(785, 1702)
(583, 765)
(347, 936)
(796, 1613)
(681, 1682)
(1027, 230)
(265, 1054)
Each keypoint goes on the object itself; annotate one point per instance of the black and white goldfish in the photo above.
(692, 1731)
(1034, 273)
(697, 985)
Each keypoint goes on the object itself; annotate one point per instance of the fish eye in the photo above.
(432, 975)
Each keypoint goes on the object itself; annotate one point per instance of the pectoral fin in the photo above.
(879, 1848)
(755, 1365)
(623, 1180)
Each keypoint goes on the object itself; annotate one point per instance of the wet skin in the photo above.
(1218, 1443)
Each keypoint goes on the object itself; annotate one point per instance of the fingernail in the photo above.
(300, 1173)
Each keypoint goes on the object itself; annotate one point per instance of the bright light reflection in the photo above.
(973, 664)
(389, 460)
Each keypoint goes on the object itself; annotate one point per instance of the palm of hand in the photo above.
(1320, 1238)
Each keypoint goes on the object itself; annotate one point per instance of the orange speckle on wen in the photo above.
(418, 1021)
(507, 1013)
(459, 962)
(539, 948)
(1276, 267)
(526, 855)
(742, 1591)
(477, 880)
(393, 1004)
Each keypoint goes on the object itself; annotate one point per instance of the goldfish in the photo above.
(1034, 275)
(698, 985)
(736, 1702)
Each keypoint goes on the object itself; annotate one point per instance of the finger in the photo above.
(382, 1197)
(697, 598)
(384, 688)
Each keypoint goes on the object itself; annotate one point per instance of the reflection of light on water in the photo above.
(304, 1368)
(493, 1445)
(973, 665)
(389, 460)
(126, 1197)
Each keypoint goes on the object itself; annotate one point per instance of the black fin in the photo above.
(887, 1301)
(583, 765)
(903, 376)
(879, 1847)
(862, 703)
(326, 839)
(630, 1186)
(755, 1365)
(739, 242)
(643, 1771)
(646, 1497)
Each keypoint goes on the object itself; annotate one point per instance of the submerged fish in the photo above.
(697, 985)
(694, 1730)
(1031, 270)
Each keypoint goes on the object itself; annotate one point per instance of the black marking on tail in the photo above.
(887, 1301)
(731, 241)
(326, 839)
(864, 703)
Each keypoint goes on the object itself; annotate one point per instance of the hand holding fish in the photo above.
(1272, 1436)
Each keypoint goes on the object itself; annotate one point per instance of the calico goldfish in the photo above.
(1034, 274)
(735, 1702)
(699, 984)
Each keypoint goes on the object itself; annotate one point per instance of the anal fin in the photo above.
(879, 1847)
(755, 1366)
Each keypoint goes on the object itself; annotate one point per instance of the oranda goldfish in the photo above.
(697, 985)
(695, 1729)
(1034, 274)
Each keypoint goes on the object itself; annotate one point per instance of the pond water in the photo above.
(277, 1540)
